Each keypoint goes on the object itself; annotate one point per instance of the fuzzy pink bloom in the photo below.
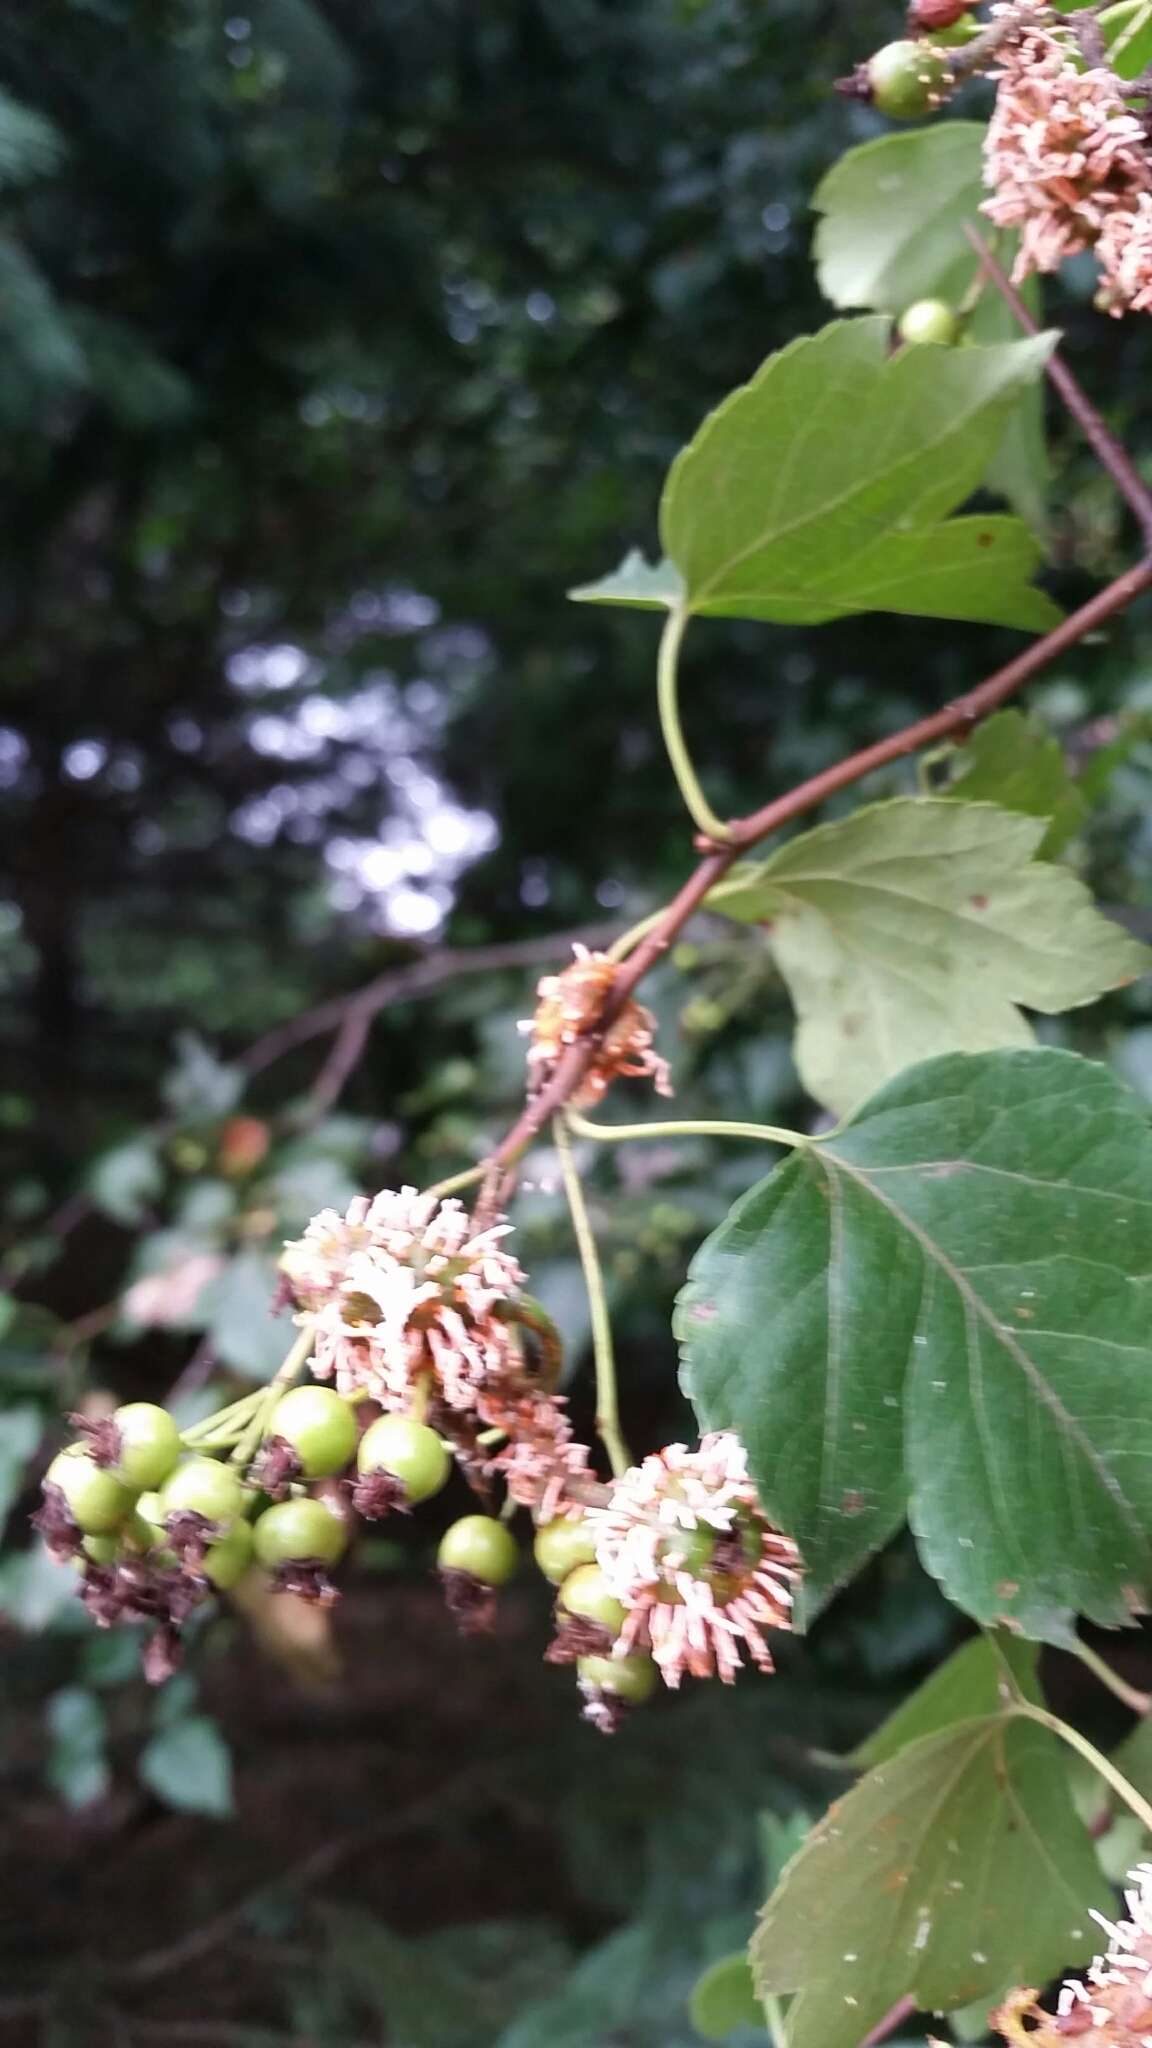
(696, 1609)
(1065, 159)
(542, 1458)
(400, 1290)
(570, 1006)
(1124, 253)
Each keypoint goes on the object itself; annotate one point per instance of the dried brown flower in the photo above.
(570, 1007)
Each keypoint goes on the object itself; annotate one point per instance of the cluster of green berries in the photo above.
(155, 1528)
(589, 1619)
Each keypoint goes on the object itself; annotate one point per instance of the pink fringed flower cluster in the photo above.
(701, 1573)
(400, 1291)
(403, 1295)
(408, 1302)
(1069, 167)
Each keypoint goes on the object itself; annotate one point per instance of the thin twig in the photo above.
(1101, 1764)
(1129, 1695)
(711, 1127)
(416, 978)
(1108, 450)
(957, 717)
(607, 1395)
(668, 705)
(343, 1059)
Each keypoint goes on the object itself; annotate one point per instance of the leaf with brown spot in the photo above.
(952, 1870)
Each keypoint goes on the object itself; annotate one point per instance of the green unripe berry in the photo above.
(480, 1546)
(202, 1486)
(907, 80)
(929, 320)
(150, 1509)
(320, 1427)
(409, 1451)
(562, 1545)
(149, 1445)
(99, 1550)
(97, 1502)
(586, 1592)
(632, 1679)
(226, 1562)
(298, 1532)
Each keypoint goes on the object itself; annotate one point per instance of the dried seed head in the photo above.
(570, 1007)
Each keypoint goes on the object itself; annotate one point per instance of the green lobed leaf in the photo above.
(944, 1309)
(893, 214)
(188, 1766)
(956, 1868)
(822, 488)
(724, 1998)
(916, 927)
(972, 1682)
(650, 586)
(1010, 760)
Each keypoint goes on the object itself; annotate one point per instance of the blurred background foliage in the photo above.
(337, 339)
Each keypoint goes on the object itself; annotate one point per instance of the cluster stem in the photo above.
(607, 1397)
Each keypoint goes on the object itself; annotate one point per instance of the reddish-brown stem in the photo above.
(1100, 438)
(402, 984)
(958, 717)
(901, 2011)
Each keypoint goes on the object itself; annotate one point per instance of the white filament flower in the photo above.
(702, 1574)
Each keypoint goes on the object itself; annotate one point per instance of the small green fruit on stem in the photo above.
(561, 1545)
(407, 1451)
(631, 1679)
(148, 1444)
(201, 1486)
(480, 1546)
(908, 80)
(319, 1426)
(299, 1532)
(96, 1500)
(587, 1594)
(929, 320)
